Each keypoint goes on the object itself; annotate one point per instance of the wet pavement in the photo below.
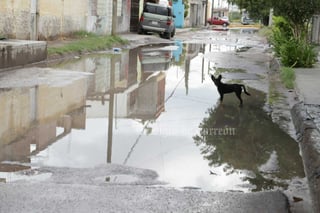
(86, 190)
(152, 107)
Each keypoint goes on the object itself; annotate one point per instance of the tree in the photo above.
(298, 13)
(258, 9)
(186, 7)
(251, 143)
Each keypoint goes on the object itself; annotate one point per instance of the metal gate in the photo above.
(134, 19)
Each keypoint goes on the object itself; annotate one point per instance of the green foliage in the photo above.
(250, 145)
(186, 7)
(281, 32)
(297, 12)
(287, 76)
(297, 53)
(234, 16)
(85, 42)
(266, 32)
(293, 51)
(258, 9)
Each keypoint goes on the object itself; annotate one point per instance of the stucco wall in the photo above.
(48, 19)
(15, 18)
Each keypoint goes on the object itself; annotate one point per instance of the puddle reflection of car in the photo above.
(218, 21)
(155, 59)
(246, 21)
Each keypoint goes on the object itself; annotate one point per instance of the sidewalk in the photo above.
(306, 118)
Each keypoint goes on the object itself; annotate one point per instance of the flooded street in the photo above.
(152, 107)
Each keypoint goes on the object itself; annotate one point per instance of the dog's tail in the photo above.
(244, 89)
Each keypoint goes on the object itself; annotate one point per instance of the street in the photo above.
(149, 118)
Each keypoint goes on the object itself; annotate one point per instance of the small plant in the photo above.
(287, 76)
(86, 42)
(297, 53)
(220, 70)
(293, 51)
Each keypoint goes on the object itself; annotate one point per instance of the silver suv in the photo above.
(158, 19)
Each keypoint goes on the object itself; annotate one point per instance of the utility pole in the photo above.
(114, 17)
(270, 17)
(206, 14)
(212, 9)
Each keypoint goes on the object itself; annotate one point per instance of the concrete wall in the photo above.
(48, 19)
(196, 14)
(124, 13)
(16, 52)
(15, 18)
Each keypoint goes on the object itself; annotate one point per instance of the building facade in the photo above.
(47, 19)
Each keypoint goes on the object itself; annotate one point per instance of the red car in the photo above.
(217, 21)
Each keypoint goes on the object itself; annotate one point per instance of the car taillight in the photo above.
(141, 18)
(169, 22)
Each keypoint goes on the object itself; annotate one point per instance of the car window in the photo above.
(165, 11)
(150, 9)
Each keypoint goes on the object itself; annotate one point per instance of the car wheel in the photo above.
(167, 35)
(141, 31)
(173, 33)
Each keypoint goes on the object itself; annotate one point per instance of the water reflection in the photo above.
(142, 108)
(246, 139)
(39, 114)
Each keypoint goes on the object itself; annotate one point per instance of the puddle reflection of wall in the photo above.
(16, 114)
(135, 92)
(31, 116)
(147, 101)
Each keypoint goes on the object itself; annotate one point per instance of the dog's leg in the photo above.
(239, 97)
(221, 97)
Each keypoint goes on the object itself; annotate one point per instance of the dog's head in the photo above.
(216, 81)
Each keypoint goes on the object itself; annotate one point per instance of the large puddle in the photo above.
(152, 107)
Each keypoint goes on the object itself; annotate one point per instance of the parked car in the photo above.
(218, 21)
(225, 18)
(245, 20)
(157, 19)
(155, 58)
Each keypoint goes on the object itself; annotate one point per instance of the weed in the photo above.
(86, 42)
(220, 70)
(293, 51)
(287, 76)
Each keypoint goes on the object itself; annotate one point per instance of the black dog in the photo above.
(228, 88)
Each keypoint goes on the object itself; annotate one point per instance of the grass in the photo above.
(86, 42)
(266, 32)
(287, 77)
(220, 70)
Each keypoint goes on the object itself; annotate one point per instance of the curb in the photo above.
(308, 138)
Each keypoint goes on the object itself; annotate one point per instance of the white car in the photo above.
(225, 18)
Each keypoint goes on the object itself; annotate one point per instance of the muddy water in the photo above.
(155, 107)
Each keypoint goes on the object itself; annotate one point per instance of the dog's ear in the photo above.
(219, 78)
